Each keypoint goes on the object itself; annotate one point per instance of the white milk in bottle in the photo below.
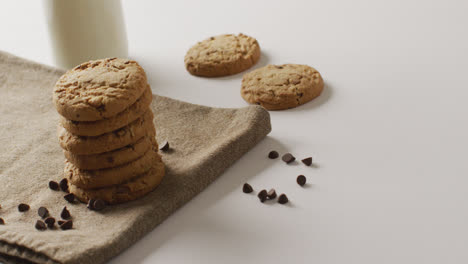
(83, 30)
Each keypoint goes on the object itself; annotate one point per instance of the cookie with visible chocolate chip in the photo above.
(222, 55)
(81, 145)
(113, 158)
(90, 179)
(278, 87)
(128, 191)
(99, 89)
(96, 128)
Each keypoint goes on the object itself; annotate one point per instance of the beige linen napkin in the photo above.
(204, 141)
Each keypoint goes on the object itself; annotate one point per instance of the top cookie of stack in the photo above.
(99, 89)
(107, 131)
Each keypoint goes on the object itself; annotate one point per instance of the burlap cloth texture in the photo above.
(204, 141)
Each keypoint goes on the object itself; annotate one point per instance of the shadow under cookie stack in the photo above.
(107, 132)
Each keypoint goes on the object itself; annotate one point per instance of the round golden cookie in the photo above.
(99, 89)
(113, 158)
(278, 87)
(81, 145)
(129, 191)
(222, 55)
(90, 179)
(96, 128)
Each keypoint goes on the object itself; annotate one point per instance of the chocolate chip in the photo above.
(69, 197)
(164, 146)
(53, 185)
(288, 158)
(64, 185)
(23, 207)
(50, 221)
(262, 195)
(65, 214)
(121, 132)
(282, 199)
(247, 188)
(271, 194)
(91, 204)
(307, 161)
(99, 204)
(301, 180)
(102, 108)
(40, 225)
(273, 154)
(43, 212)
(66, 225)
(2, 222)
(60, 222)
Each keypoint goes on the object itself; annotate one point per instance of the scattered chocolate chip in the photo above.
(2, 222)
(60, 222)
(282, 199)
(164, 146)
(64, 185)
(23, 207)
(271, 194)
(53, 185)
(262, 195)
(288, 158)
(91, 204)
(43, 212)
(66, 225)
(69, 197)
(247, 188)
(65, 214)
(273, 154)
(40, 225)
(307, 161)
(50, 221)
(301, 180)
(99, 204)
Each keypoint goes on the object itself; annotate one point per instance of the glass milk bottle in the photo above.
(83, 30)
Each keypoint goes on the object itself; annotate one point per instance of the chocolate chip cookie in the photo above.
(222, 55)
(113, 158)
(278, 87)
(91, 179)
(81, 145)
(128, 191)
(96, 128)
(99, 89)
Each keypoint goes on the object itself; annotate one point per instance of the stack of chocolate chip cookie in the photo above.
(107, 131)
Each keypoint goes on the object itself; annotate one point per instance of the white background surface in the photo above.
(388, 135)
